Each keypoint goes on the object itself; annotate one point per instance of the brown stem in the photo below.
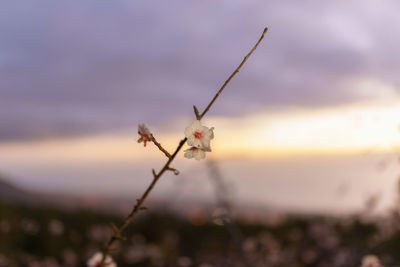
(233, 74)
(160, 147)
(196, 112)
(118, 231)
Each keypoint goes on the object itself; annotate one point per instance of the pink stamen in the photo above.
(197, 134)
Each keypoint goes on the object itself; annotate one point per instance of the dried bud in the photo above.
(145, 134)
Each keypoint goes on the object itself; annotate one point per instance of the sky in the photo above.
(78, 76)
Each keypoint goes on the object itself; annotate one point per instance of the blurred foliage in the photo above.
(46, 236)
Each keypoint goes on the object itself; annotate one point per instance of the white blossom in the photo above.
(144, 132)
(196, 153)
(198, 135)
(371, 261)
(95, 261)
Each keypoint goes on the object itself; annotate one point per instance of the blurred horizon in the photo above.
(315, 108)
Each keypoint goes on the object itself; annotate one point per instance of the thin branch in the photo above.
(156, 176)
(233, 74)
(196, 112)
(114, 227)
(159, 146)
(139, 203)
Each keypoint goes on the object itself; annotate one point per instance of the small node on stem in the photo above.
(175, 171)
(114, 227)
(154, 173)
(196, 112)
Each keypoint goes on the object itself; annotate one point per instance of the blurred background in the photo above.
(306, 141)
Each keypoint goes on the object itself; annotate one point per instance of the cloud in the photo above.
(73, 67)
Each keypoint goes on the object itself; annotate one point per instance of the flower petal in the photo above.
(195, 152)
(143, 129)
(203, 141)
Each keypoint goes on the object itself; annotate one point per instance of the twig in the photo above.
(175, 171)
(119, 231)
(233, 74)
(196, 112)
(159, 146)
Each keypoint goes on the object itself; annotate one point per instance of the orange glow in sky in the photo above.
(347, 129)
